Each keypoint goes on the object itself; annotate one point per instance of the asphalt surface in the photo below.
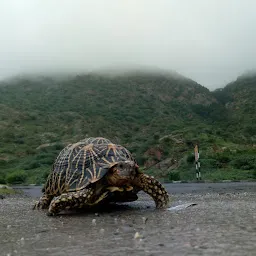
(223, 222)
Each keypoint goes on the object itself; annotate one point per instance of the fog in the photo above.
(209, 41)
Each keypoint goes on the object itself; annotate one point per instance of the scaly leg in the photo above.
(43, 202)
(154, 188)
(74, 200)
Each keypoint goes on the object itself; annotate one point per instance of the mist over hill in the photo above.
(159, 116)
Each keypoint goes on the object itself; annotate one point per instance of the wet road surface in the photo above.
(223, 222)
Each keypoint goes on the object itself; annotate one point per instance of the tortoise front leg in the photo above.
(43, 202)
(74, 200)
(154, 188)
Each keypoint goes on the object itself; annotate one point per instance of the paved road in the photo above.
(223, 222)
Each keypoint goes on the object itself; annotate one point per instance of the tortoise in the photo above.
(96, 171)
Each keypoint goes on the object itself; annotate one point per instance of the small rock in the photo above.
(102, 231)
(137, 235)
(94, 222)
(2, 197)
(144, 219)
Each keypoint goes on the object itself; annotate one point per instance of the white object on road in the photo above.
(180, 207)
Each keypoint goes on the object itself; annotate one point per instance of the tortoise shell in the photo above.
(83, 163)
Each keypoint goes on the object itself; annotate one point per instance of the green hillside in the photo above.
(159, 117)
(240, 98)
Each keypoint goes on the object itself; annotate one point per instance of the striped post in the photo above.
(197, 161)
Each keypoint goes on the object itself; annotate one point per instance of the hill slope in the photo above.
(240, 98)
(157, 116)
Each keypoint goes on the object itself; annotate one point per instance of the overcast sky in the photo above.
(210, 41)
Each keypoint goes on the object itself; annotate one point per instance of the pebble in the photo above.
(137, 235)
(144, 219)
(94, 222)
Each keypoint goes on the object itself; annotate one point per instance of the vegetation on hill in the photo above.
(158, 117)
(240, 98)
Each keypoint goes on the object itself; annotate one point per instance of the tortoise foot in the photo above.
(43, 203)
(70, 201)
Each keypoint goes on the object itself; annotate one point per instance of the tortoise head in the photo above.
(122, 172)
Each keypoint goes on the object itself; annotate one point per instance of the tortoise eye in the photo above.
(121, 166)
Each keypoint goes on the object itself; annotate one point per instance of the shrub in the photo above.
(2, 178)
(16, 177)
(191, 159)
(32, 165)
(40, 179)
(245, 162)
(156, 137)
(223, 158)
(172, 176)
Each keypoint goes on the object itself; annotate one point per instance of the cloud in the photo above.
(210, 41)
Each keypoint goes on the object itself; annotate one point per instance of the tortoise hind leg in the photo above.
(74, 200)
(43, 202)
(154, 188)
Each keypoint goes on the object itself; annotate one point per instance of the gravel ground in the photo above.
(222, 223)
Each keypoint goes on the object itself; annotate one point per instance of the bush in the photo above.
(191, 159)
(16, 177)
(222, 159)
(245, 162)
(41, 179)
(2, 178)
(31, 165)
(172, 176)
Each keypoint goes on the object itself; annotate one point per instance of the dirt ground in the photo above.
(222, 223)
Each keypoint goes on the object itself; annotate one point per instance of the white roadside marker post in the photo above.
(197, 161)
